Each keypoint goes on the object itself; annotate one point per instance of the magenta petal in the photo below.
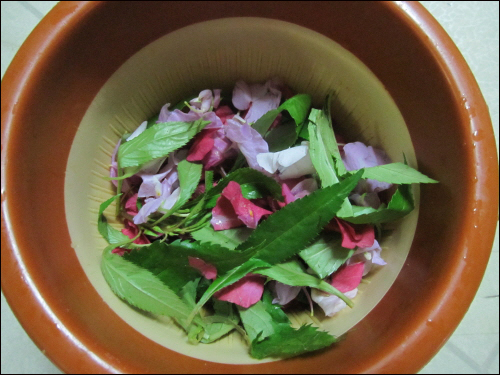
(247, 212)
(202, 145)
(287, 194)
(224, 113)
(206, 269)
(361, 235)
(245, 292)
(223, 215)
(347, 277)
(131, 230)
(131, 205)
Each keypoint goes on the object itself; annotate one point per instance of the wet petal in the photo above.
(242, 96)
(245, 292)
(206, 269)
(361, 235)
(223, 215)
(284, 293)
(369, 256)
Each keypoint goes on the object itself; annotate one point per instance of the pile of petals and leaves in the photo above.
(247, 204)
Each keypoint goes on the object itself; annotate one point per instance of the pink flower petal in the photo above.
(223, 215)
(131, 205)
(245, 292)
(347, 277)
(361, 235)
(202, 145)
(247, 212)
(131, 230)
(224, 113)
(206, 269)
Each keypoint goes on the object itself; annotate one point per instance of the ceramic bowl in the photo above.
(92, 70)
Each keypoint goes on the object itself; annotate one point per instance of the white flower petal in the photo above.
(138, 131)
(329, 303)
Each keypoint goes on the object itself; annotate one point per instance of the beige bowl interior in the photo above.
(215, 54)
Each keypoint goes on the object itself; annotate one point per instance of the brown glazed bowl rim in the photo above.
(73, 351)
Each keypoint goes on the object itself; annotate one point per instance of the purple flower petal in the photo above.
(366, 200)
(284, 293)
(248, 140)
(356, 156)
(257, 98)
(329, 303)
(369, 256)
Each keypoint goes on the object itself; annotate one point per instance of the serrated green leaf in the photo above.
(244, 176)
(322, 162)
(141, 288)
(256, 320)
(157, 141)
(288, 342)
(325, 255)
(396, 173)
(221, 323)
(289, 230)
(297, 106)
(229, 238)
(167, 262)
(110, 234)
(401, 204)
(282, 137)
(293, 273)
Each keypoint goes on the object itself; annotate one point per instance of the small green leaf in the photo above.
(396, 173)
(401, 204)
(256, 320)
(282, 137)
(158, 141)
(325, 255)
(110, 234)
(293, 273)
(221, 323)
(297, 106)
(141, 288)
(288, 342)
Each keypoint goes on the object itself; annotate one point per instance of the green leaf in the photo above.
(167, 262)
(158, 141)
(325, 255)
(282, 136)
(289, 230)
(141, 288)
(110, 234)
(221, 323)
(297, 106)
(396, 173)
(256, 320)
(401, 204)
(293, 273)
(229, 238)
(321, 160)
(189, 178)
(288, 342)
